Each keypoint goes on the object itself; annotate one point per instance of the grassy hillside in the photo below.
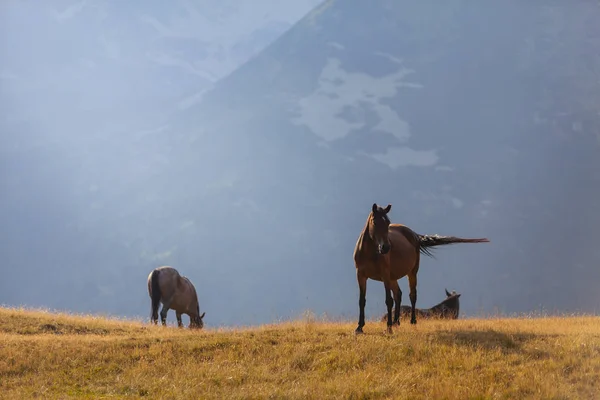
(59, 356)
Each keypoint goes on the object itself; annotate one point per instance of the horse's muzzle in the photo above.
(383, 248)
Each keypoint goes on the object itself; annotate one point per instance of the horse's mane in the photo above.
(364, 236)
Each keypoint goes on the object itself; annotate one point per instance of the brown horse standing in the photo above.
(167, 286)
(386, 252)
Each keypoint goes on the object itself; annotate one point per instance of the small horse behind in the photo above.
(174, 291)
(447, 309)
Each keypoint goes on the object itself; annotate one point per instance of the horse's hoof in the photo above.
(358, 331)
(390, 330)
(397, 323)
(413, 321)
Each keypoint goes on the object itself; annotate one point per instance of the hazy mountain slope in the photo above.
(86, 88)
(472, 119)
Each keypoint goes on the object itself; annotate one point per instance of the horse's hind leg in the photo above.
(412, 283)
(163, 315)
(179, 323)
(398, 300)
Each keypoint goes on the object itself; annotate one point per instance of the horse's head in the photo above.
(378, 227)
(197, 322)
(450, 306)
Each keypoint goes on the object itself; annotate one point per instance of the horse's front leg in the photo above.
(362, 301)
(179, 323)
(389, 302)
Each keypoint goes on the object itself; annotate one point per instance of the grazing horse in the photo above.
(386, 252)
(167, 286)
(447, 309)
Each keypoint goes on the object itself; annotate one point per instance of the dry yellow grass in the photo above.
(62, 356)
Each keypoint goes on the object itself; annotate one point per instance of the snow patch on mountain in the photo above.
(339, 90)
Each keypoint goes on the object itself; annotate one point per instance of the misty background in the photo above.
(244, 143)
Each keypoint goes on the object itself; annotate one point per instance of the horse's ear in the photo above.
(447, 293)
(374, 208)
(388, 208)
(457, 295)
(202, 316)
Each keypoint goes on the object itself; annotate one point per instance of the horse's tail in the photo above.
(428, 241)
(156, 295)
